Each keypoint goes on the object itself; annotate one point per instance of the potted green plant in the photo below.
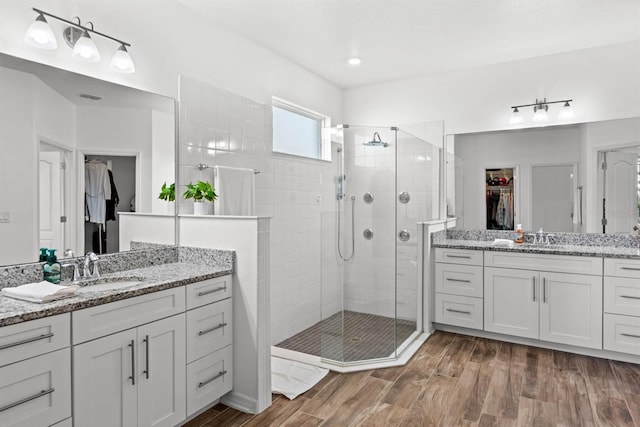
(201, 193)
(168, 192)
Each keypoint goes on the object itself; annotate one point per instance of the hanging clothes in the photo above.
(113, 201)
(97, 190)
(500, 217)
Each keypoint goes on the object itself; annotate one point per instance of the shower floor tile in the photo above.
(366, 336)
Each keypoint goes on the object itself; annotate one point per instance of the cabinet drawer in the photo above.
(459, 279)
(209, 328)
(33, 338)
(622, 333)
(208, 379)
(106, 319)
(208, 291)
(622, 296)
(540, 262)
(621, 267)
(459, 311)
(459, 256)
(36, 392)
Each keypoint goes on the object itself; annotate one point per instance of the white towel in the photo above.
(40, 292)
(235, 188)
(293, 378)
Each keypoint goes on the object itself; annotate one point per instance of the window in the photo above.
(299, 131)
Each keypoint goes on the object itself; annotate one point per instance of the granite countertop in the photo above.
(154, 278)
(554, 249)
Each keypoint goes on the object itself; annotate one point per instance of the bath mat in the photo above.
(292, 378)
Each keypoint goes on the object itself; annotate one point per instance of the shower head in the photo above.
(376, 141)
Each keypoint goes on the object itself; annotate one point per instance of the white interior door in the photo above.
(552, 197)
(50, 200)
(621, 192)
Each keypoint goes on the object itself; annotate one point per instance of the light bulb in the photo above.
(122, 61)
(540, 114)
(516, 117)
(85, 49)
(354, 61)
(567, 112)
(39, 34)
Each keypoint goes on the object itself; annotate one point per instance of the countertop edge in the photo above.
(111, 297)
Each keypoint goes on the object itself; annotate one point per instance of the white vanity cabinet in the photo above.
(136, 376)
(209, 342)
(459, 287)
(554, 298)
(622, 305)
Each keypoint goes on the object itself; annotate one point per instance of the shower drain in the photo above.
(356, 339)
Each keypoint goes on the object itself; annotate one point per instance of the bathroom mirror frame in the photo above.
(65, 90)
(600, 136)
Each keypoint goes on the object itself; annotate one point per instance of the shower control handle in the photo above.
(404, 235)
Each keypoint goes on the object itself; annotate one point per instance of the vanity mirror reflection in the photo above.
(572, 178)
(52, 123)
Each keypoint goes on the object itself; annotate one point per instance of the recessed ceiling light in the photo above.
(354, 61)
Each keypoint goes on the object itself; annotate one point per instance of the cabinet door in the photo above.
(571, 309)
(161, 372)
(104, 381)
(511, 301)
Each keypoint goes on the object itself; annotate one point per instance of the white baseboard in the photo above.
(241, 402)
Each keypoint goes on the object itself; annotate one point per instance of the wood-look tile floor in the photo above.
(455, 380)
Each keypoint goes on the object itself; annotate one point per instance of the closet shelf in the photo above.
(496, 187)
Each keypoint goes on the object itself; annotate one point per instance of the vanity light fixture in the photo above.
(40, 34)
(540, 109)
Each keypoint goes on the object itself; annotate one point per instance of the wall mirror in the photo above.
(53, 123)
(573, 178)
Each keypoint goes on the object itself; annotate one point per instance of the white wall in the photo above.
(163, 158)
(603, 82)
(167, 41)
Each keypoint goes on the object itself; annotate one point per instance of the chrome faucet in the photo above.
(90, 258)
(76, 272)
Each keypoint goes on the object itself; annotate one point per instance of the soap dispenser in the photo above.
(43, 254)
(54, 268)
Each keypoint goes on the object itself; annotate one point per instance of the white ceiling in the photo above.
(402, 38)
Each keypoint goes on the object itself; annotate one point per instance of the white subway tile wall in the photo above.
(221, 128)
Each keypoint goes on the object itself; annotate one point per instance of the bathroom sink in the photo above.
(110, 284)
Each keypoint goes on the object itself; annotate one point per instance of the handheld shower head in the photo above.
(376, 141)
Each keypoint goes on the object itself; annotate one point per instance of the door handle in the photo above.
(544, 290)
(146, 343)
(133, 362)
(534, 288)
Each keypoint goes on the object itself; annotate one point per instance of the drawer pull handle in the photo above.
(458, 256)
(204, 383)
(629, 296)
(133, 362)
(458, 311)
(215, 328)
(630, 268)
(146, 342)
(629, 335)
(27, 399)
(26, 341)
(458, 280)
(222, 288)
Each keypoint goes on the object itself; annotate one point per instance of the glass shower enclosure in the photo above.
(385, 182)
